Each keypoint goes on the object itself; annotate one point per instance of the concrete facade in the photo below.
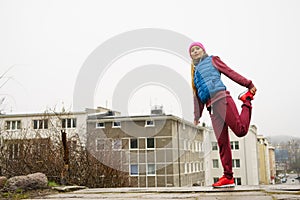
(244, 156)
(43, 125)
(155, 150)
(267, 162)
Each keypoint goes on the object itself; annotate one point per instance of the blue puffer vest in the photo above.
(207, 79)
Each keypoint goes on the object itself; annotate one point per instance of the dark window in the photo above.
(238, 181)
(116, 124)
(237, 163)
(215, 163)
(236, 146)
(100, 125)
(45, 123)
(63, 123)
(35, 124)
(74, 123)
(13, 125)
(216, 179)
(149, 123)
(150, 143)
(68, 123)
(214, 146)
(40, 124)
(133, 143)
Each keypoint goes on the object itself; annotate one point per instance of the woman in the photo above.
(209, 90)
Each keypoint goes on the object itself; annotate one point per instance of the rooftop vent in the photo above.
(157, 110)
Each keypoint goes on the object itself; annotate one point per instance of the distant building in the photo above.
(36, 133)
(264, 160)
(272, 164)
(155, 150)
(281, 155)
(244, 158)
(282, 160)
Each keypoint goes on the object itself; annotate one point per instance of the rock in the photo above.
(3, 180)
(38, 180)
(29, 182)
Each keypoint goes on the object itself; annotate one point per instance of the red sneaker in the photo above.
(244, 95)
(224, 182)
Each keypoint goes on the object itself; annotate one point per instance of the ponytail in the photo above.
(193, 74)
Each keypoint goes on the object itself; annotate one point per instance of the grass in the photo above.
(21, 194)
(18, 194)
(52, 184)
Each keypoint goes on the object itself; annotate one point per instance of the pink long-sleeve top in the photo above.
(227, 71)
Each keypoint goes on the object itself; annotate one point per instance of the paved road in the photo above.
(270, 192)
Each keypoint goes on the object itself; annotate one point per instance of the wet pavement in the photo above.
(196, 193)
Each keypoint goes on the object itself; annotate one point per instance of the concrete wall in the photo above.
(169, 154)
(246, 153)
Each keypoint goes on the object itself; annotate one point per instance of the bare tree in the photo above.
(41, 149)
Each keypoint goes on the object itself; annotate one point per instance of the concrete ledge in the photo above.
(282, 187)
(268, 192)
(170, 190)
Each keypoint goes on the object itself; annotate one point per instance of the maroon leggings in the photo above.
(225, 114)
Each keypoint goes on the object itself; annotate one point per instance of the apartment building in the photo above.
(266, 161)
(33, 140)
(42, 125)
(155, 150)
(244, 158)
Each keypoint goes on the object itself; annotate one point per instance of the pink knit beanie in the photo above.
(196, 44)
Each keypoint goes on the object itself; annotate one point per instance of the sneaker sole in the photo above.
(242, 94)
(225, 186)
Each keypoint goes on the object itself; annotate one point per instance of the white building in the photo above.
(244, 158)
(42, 125)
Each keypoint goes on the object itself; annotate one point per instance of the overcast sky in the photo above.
(45, 44)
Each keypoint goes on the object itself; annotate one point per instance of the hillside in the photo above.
(274, 140)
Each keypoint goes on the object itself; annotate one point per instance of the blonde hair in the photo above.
(193, 74)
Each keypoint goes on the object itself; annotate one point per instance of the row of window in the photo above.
(117, 124)
(116, 144)
(15, 150)
(40, 124)
(106, 144)
(150, 170)
(234, 145)
(235, 163)
(193, 167)
(193, 146)
(150, 143)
